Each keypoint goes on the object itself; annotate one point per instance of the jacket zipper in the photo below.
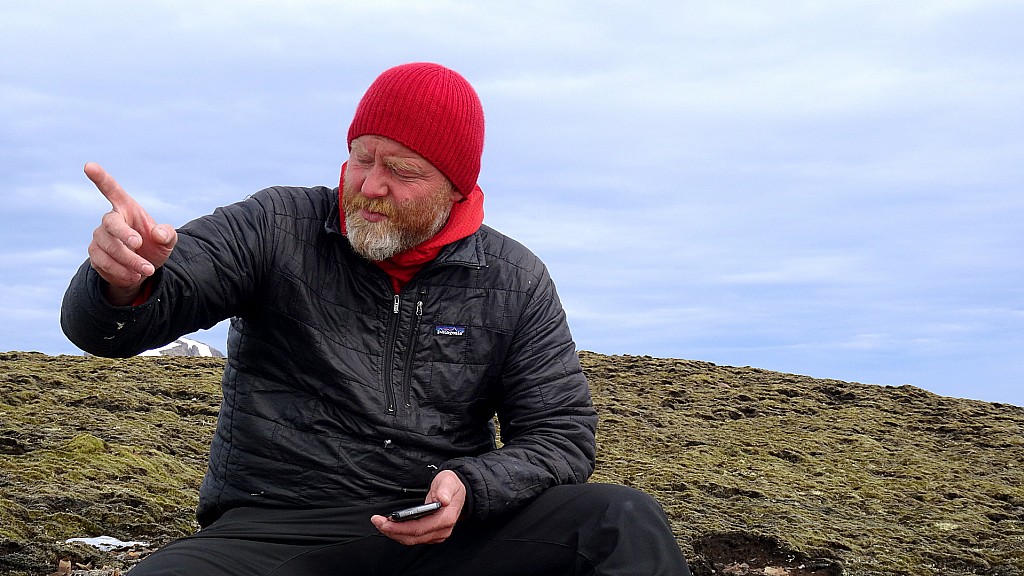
(407, 365)
(389, 351)
(392, 335)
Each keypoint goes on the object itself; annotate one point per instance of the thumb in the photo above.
(165, 235)
(441, 495)
(163, 239)
(445, 487)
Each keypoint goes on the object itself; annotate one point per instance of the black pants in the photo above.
(588, 529)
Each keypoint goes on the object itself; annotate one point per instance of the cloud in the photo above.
(827, 269)
(85, 201)
(59, 197)
(40, 258)
(28, 304)
(825, 188)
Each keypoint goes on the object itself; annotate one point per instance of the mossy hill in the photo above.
(760, 472)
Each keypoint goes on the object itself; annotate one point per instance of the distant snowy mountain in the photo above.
(184, 347)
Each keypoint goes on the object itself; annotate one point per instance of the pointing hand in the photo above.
(128, 246)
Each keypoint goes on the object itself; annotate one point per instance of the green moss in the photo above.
(91, 446)
(882, 480)
(854, 479)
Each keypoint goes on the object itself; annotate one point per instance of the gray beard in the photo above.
(380, 242)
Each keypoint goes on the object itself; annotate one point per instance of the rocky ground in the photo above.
(760, 472)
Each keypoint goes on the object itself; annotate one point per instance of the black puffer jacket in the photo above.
(339, 392)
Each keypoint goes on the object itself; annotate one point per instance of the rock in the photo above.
(185, 347)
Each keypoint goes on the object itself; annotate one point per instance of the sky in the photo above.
(833, 189)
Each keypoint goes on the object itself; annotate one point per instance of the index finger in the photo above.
(109, 187)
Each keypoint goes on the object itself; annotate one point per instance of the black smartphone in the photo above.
(414, 512)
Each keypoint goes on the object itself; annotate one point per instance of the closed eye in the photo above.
(403, 170)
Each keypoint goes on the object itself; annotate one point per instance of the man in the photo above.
(377, 329)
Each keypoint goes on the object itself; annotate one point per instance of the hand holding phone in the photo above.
(414, 512)
(448, 496)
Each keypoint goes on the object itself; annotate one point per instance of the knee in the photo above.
(622, 505)
(626, 502)
(629, 531)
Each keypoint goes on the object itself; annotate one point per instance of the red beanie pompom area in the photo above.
(432, 110)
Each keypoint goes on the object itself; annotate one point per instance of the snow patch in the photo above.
(106, 543)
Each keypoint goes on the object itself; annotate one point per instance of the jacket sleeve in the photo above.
(209, 276)
(546, 417)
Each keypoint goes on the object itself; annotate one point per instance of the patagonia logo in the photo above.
(449, 330)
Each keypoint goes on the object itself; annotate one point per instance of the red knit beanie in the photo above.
(432, 110)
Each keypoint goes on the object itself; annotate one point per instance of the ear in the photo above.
(455, 196)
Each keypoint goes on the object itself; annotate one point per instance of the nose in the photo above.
(374, 184)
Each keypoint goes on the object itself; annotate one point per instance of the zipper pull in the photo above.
(419, 308)
(398, 301)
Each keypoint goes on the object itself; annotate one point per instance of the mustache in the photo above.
(355, 202)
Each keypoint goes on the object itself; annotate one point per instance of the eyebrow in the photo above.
(403, 164)
(357, 147)
(393, 162)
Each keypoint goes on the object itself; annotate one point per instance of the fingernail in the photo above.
(147, 269)
(161, 235)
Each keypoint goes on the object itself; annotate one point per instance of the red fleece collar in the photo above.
(465, 219)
